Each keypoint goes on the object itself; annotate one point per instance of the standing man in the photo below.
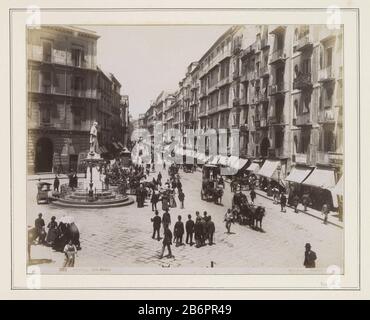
(228, 220)
(253, 195)
(40, 229)
(178, 231)
(306, 201)
(181, 198)
(204, 227)
(325, 211)
(295, 203)
(309, 257)
(56, 183)
(166, 219)
(156, 225)
(159, 178)
(211, 230)
(283, 202)
(198, 229)
(189, 226)
(167, 241)
(154, 200)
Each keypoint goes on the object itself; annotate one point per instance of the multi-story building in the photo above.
(281, 86)
(67, 92)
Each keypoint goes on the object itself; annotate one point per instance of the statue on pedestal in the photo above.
(94, 138)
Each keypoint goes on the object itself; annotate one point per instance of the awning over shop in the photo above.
(254, 167)
(321, 178)
(268, 169)
(215, 159)
(298, 174)
(238, 164)
(223, 160)
(339, 187)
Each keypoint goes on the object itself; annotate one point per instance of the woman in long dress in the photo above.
(53, 232)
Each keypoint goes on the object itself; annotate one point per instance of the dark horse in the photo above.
(257, 216)
(67, 232)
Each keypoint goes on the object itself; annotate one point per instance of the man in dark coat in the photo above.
(253, 195)
(189, 226)
(283, 202)
(40, 229)
(167, 241)
(211, 230)
(198, 232)
(166, 219)
(156, 225)
(181, 198)
(159, 177)
(56, 183)
(306, 201)
(205, 228)
(309, 257)
(295, 203)
(154, 200)
(178, 231)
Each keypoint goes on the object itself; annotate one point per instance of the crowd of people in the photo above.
(198, 231)
(62, 236)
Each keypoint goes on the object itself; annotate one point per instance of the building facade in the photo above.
(66, 93)
(281, 86)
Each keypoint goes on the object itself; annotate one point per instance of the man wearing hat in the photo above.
(40, 229)
(309, 257)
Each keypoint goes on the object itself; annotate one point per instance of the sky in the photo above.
(149, 59)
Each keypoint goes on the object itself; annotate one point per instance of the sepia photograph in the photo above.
(200, 149)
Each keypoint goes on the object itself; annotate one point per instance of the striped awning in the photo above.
(321, 178)
(268, 169)
(254, 167)
(298, 174)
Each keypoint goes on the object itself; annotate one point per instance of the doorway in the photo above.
(44, 155)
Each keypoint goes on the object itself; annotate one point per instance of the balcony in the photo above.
(303, 119)
(224, 81)
(264, 43)
(302, 81)
(262, 97)
(335, 158)
(303, 43)
(263, 122)
(243, 101)
(236, 102)
(322, 157)
(212, 89)
(326, 116)
(300, 158)
(203, 94)
(278, 88)
(264, 71)
(236, 74)
(249, 51)
(326, 74)
(276, 120)
(278, 56)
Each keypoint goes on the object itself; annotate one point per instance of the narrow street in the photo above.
(119, 239)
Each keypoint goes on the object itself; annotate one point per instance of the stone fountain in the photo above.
(91, 193)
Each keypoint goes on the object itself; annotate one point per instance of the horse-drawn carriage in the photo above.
(44, 192)
(188, 167)
(247, 213)
(211, 190)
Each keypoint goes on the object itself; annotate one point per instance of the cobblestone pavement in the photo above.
(119, 239)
